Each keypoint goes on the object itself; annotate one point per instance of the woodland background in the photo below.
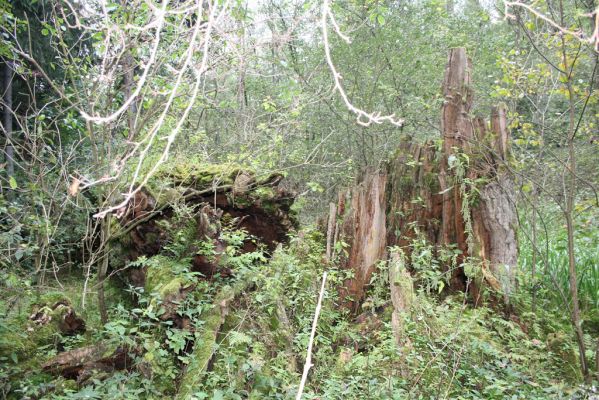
(114, 112)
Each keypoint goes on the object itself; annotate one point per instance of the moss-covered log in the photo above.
(205, 342)
(82, 363)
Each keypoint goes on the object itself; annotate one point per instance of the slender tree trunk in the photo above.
(103, 268)
(331, 230)
(570, 196)
(7, 118)
(534, 252)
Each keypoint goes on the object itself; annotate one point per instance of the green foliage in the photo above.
(270, 108)
(552, 277)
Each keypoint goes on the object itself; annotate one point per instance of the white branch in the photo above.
(160, 19)
(308, 363)
(578, 34)
(136, 186)
(362, 117)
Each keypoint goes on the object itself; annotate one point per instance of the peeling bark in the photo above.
(364, 231)
(427, 197)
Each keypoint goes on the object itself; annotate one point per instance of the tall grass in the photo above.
(552, 262)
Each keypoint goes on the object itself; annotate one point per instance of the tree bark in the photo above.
(437, 195)
(331, 230)
(365, 233)
(7, 119)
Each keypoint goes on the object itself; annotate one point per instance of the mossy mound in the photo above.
(202, 175)
(254, 202)
(162, 276)
(46, 320)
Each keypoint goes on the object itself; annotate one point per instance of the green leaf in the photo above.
(13, 183)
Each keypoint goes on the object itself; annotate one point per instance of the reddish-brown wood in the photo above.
(427, 197)
(365, 233)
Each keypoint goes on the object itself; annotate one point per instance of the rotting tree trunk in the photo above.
(457, 197)
(457, 134)
(414, 205)
(364, 232)
(402, 295)
(205, 342)
(84, 362)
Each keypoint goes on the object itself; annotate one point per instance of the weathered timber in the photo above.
(457, 196)
(402, 295)
(364, 231)
(85, 362)
(205, 342)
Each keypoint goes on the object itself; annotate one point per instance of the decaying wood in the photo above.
(414, 204)
(266, 217)
(205, 340)
(331, 224)
(402, 295)
(427, 197)
(84, 362)
(286, 330)
(60, 313)
(364, 231)
(499, 128)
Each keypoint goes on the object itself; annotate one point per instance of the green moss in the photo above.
(21, 337)
(205, 341)
(161, 276)
(51, 298)
(162, 369)
(562, 346)
(204, 346)
(172, 287)
(203, 176)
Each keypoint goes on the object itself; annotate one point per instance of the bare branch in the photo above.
(362, 117)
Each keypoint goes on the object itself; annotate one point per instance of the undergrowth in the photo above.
(452, 350)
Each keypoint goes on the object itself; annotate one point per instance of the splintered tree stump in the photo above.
(457, 196)
(364, 232)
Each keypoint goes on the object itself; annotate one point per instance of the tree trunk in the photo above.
(7, 77)
(364, 232)
(331, 224)
(103, 267)
(437, 195)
